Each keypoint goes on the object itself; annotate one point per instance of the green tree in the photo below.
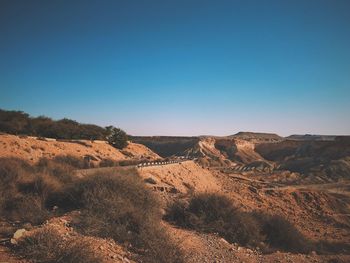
(117, 137)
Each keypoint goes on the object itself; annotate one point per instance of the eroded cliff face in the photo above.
(319, 160)
(219, 150)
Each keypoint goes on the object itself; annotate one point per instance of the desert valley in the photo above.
(248, 197)
(182, 131)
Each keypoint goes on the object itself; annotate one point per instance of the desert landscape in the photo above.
(182, 131)
(248, 197)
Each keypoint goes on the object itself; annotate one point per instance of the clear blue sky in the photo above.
(173, 67)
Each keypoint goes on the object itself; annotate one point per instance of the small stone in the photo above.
(19, 233)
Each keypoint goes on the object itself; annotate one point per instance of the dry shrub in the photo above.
(47, 246)
(11, 169)
(56, 168)
(108, 163)
(15, 205)
(78, 163)
(328, 247)
(122, 208)
(281, 234)
(25, 189)
(213, 213)
(25, 209)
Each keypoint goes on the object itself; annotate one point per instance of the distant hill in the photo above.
(311, 137)
(256, 136)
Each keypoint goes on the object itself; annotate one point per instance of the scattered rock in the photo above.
(19, 233)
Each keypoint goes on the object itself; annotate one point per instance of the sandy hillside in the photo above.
(182, 177)
(32, 149)
(317, 214)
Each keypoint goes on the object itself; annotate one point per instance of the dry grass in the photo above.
(122, 208)
(214, 213)
(47, 246)
(25, 190)
(281, 234)
(119, 207)
(14, 204)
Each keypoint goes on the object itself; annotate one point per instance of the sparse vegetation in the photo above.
(281, 234)
(118, 207)
(13, 204)
(47, 246)
(122, 208)
(25, 189)
(108, 163)
(213, 213)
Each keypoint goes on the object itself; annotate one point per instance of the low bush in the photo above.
(215, 214)
(25, 189)
(13, 204)
(122, 208)
(77, 163)
(112, 206)
(48, 246)
(57, 169)
(331, 247)
(108, 163)
(281, 234)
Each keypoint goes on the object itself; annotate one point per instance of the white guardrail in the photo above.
(159, 163)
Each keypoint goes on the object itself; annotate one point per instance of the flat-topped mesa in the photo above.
(257, 136)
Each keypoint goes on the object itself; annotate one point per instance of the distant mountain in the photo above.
(311, 137)
(257, 136)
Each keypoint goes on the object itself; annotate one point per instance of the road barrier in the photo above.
(148, 164)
